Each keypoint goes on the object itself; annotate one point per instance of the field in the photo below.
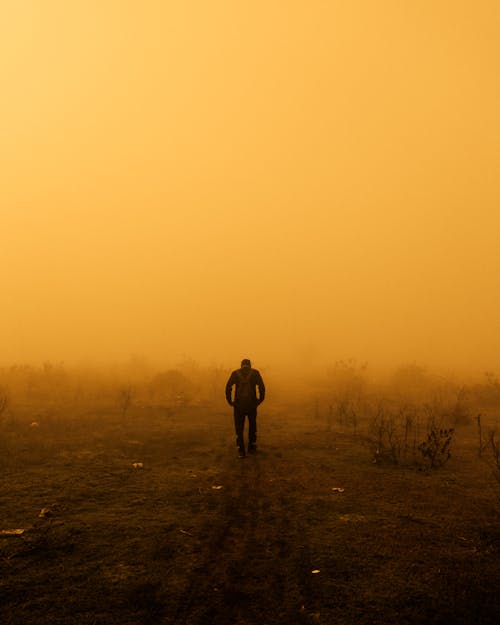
(310, 530)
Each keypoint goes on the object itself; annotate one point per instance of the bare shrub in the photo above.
(329, 418)
(491, 444)
(458, 412)
(393, 432)
(125, 397)
(482, 444)
(4, 400)
(436, 449)
(169, 386)
(347, 412)
(347, 379)
(494, 445)
(492, 387)
(413, 383)
(385, 436)
(347, 390)
(434, 414)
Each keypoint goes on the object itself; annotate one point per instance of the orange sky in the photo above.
(287, 180)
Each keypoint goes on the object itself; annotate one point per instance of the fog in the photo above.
(297, 183)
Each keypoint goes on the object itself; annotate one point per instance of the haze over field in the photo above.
(289, 181)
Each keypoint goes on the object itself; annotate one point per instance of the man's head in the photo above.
(246, 363)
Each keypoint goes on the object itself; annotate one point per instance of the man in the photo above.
(245, 380)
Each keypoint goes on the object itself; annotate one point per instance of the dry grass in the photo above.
(160, 545)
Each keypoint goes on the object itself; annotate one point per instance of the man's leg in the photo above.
(239, 425)
(252, 429)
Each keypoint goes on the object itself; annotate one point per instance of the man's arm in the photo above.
(229, 388)
(262, 389)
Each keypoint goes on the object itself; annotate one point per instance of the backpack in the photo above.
(245, 394)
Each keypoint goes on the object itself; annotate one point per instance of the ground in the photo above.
(310, 530)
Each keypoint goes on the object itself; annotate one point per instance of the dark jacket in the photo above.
(239, 379)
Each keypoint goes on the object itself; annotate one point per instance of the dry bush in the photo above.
(412, 383)
(347, 379)
(436, 448)
(392, 431)
(385, 436)
(125, 398)
(386, 442)
(347, 410)
(169, 385)
(489, 446)
(4, 400)
(459, 413)
(347, 389)
(495, 447)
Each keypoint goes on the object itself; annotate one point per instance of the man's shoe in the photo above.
(241, 454)
(252, 449)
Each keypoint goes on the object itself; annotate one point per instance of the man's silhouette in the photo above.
(246, 382)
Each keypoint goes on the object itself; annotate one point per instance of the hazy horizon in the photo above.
(294, 183)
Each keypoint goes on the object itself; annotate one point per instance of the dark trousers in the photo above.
(240, 412)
